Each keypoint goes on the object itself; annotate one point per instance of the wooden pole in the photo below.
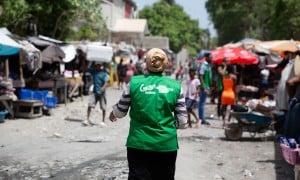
(6, 68)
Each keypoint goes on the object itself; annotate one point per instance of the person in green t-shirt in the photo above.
(205, 77)
(155, 104)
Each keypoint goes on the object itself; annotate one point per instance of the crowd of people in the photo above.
(219, 82)
(165, 107)
(279, 97)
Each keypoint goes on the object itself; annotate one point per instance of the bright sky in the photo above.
(195, 8)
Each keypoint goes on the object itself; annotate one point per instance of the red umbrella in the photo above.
(235, 55)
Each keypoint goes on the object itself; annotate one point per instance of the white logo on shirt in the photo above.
(150, 89)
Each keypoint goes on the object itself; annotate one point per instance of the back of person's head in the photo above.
(192, 72)
(208, 57)
(99, 65)
(156, 60)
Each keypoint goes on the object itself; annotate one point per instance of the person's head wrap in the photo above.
(156, 60)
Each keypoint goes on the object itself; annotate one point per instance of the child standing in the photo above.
(191, 98)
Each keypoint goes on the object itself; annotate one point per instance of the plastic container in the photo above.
(50, 94)
(25, 94)
(39, 95)
(99, 53)
(50, 102)
(290, 155)
(28, 94)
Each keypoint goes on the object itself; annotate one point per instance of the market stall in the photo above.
(49, 76)
(9, 49)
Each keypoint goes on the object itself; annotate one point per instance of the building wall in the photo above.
(116, 9)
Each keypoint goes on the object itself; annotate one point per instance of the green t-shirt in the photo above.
(206, 71)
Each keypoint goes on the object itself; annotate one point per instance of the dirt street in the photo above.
(58, 147)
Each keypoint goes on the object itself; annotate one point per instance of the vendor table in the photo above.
(28, 108)
(59, 86)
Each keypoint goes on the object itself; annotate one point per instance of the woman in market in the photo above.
(153, 101)
(121, 69)
(228, 95)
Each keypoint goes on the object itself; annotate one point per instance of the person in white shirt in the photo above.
(191, 98)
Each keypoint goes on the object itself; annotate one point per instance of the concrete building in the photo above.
(122, 23)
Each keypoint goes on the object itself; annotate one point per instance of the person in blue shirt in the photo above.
(100, 82)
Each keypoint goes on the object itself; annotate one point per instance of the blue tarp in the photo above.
(8, 46)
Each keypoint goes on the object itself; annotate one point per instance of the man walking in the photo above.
(205, 77)
(100, 82)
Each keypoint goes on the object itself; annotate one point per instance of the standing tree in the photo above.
(285, 20)
(261, 19)
(65, 19)
(169, 19)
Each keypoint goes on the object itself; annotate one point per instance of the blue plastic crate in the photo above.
(50, 101)
(25, 94)
(2, 115)
(40, 95)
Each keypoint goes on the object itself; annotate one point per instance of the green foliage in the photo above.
(170, 20)
(91, 25)
(261, 19)
(285, 22)
(230, 18)
(14, 12)
(64, 19)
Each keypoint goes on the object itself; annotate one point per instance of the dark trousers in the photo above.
(219, 106)
(292, 123)
(149, 165)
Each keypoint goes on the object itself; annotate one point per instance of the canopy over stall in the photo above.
(50, 75)
(7, 45)
(51, 52)
(235, 55)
